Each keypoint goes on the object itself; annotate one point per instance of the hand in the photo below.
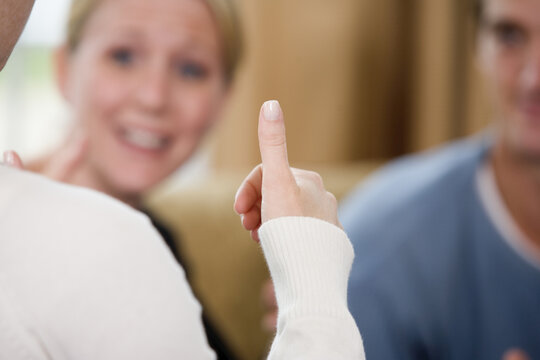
(515, 354)
(273, 189)
(11, 158)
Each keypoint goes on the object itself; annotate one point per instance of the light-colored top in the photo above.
(83, 276)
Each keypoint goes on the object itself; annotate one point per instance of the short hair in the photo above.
(224, 13)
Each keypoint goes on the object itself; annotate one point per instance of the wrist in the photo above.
(309, 260)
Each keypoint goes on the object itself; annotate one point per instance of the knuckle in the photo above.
(272, 138)
(315, 178)
(332, 199)
(310, 181)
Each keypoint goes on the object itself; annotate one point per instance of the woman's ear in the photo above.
(61, 63)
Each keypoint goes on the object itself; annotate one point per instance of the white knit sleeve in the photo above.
(310, 261)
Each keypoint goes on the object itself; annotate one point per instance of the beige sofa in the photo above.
(227, 267)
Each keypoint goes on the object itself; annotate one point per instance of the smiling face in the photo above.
(145, 82)
(509, 49)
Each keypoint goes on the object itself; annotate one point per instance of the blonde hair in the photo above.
(224, 13)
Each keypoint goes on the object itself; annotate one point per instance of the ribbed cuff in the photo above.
(310, 261)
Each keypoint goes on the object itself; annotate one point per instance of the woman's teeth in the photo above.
(144, 139)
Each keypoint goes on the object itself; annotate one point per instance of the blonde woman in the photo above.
(145, 80)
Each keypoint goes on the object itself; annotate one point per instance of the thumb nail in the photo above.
(272, 110)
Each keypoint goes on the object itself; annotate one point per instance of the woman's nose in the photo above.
(152, 90)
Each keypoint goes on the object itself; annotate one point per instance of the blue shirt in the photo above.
(432, 277)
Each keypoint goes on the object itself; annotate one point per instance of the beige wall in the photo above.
(358, 79)
(448, 100)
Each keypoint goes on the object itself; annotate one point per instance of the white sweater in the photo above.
(83, 276)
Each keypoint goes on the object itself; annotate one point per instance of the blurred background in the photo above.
(360, 82)
(357, 80)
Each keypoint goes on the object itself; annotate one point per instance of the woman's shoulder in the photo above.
(33, 207)
(73, 258)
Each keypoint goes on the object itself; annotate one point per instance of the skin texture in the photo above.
(509, 57)
(273, 189)
(145, 84)
(13, 16)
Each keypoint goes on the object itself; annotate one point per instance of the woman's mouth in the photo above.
(144, 139)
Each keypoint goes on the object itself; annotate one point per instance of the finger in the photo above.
(273, 144)
(268, 295)
(255, 235)
(249, 192)
(11, 158)
(269, 321)
(311, 176)
(252, 219)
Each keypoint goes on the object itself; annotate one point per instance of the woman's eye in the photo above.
(192, 71)
(122, 56)
(509, 35)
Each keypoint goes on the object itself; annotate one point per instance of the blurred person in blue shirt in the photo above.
(448, 242)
